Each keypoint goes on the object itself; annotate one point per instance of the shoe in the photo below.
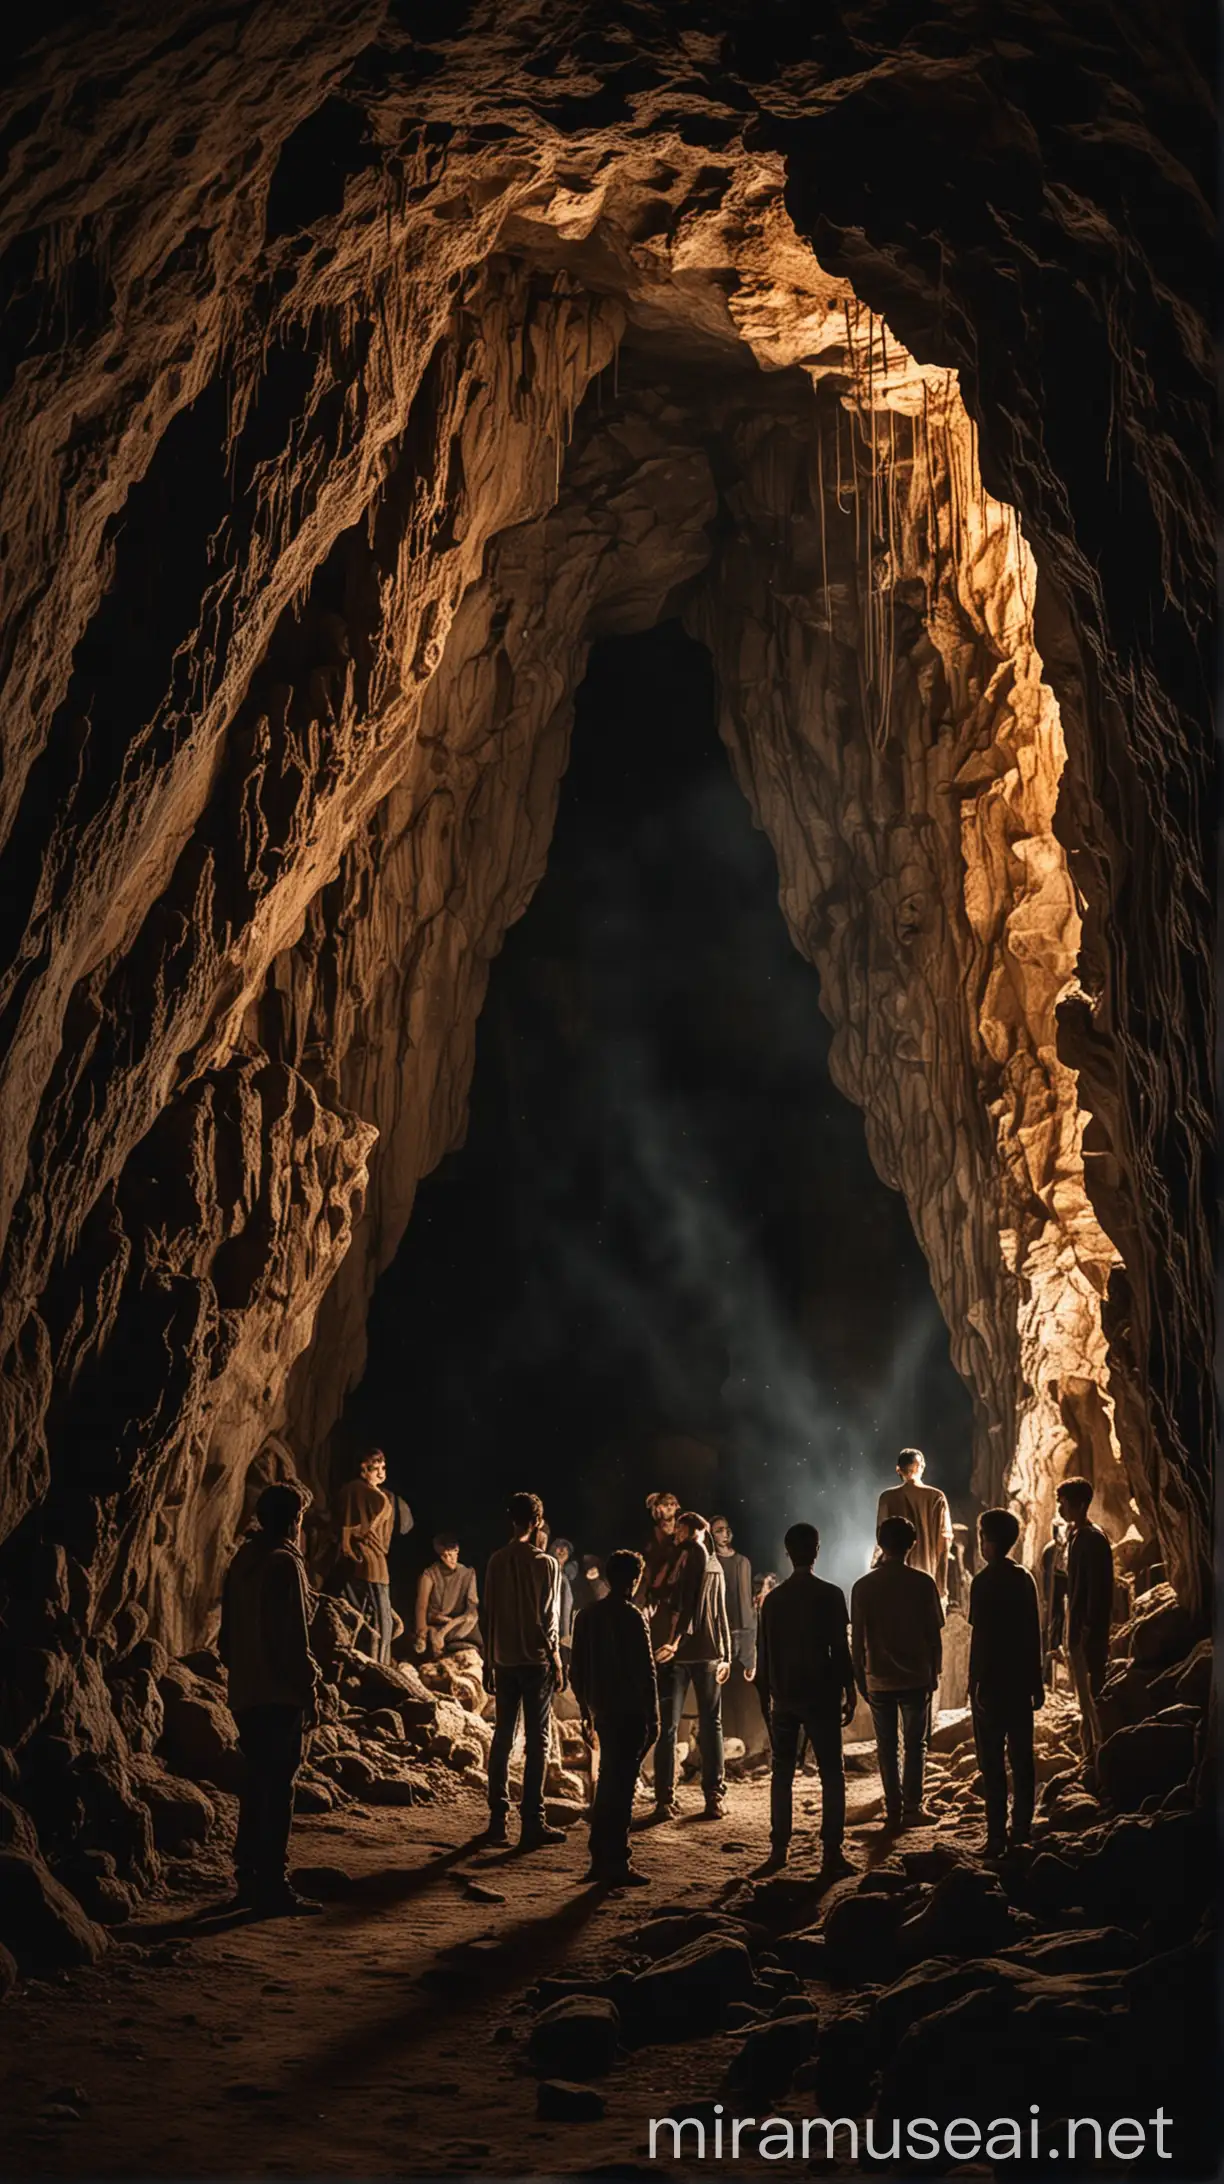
(539, 1838)
(920, 1817)
(630, 1877)
(664, 1811)
(496, 1836)
(286, 1904)
(713, 1809)
(835, 1862)
(891, 1824)
(994, 1847)
(778, 1855)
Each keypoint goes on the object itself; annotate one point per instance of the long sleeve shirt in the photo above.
(928, 1512)
(1005, 1658)
(265, 1630)
(366, 1517)
(1090, 1578)
(803, 1646)
(444, 1594)
(896, 1620)
(701, 1631)
(519, 1615)
(612, 1669)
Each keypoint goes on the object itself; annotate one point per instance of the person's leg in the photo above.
(915, 1720)
(825, 1738)
(709, 1715)
(537, 1687)
(1081, 1677)
(462, 1632)
(509, 1699)
(620, 1746)
(284, 1736)
(246, 1841)
(990, 1726)
(785, 1729)
(383, 1622)
(1023, 1769)
(884, 1711)
(673, 1683)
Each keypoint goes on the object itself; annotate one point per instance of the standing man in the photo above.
(697, 1652)
(927, 1510)
(522, 1668)
(614, 1683)
(1090, 1579)
(366, 1516)
(562, 1552)
(805, 1681)
(737, 1576)
(896, 1620)
(655, 1593)
(1005, 1679)
(272, 1694)
(447, 1610)
(1053, 1600)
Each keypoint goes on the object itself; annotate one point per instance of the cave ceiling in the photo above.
(362, 365)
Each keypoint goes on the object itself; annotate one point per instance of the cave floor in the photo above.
(385, 2036)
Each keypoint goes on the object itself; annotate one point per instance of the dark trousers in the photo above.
(674, 1680)
(1003, 1737)
(270, 1740)
(374, 1602)
(528, 1691)
(909, 1711)
(823, 1729)
(623, 1742)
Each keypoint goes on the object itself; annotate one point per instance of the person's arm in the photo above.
(1032, 1642)
(843, 1666)
(580, 1663)
(470, 1605)
(548, 1606)
(937, 1621)
(687, 1596)
(764, 1663)
(1100, 1589)
(283, 1618)
(487, 1616)
(645, 1681)
(858, 1640)
(944, 1549)
(722, 1627)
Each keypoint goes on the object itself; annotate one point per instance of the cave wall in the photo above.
(299, 310)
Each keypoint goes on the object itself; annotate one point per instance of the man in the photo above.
(927, 1510)
(615, 1685)
(447, 1612)
(590, 1584)
(737, 1576)
(1005, 1679)
(562, 1552)
(805, 1682)
(522, 1668)
(272, 1694)
(1053, 1600)
(656, 1587)
(896, 1619)
(1090, 1580)
(698, 1651)
(366, 1518)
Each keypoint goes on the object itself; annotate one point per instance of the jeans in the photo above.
(1087, 1664)
(823, 1727)
(1003, 1733)
(624, 1740)
(270, 1739)
(374, 1602)
(674, 1679)
(528, 1690)
(911, 1710)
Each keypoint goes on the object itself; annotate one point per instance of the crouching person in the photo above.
(273, 1683)
(613, 1675)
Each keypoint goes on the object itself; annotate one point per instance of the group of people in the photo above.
(648, 1628)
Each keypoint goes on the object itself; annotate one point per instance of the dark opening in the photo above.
(662, 1256)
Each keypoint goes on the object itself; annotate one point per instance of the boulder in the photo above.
(861, 1935)
(181, 1813)
(844, 2068)
(1092, 1949)
(199, 1739)
(557, 2101)
(576, 2037)
(313, 1793)
(1147, 1760)
(406, 1788)
(204, 1662)
(394, 1684)
(672, 1930)
(771, 2053)
(40, 1922)
(952, 1729)
(684, 1995)
(333, 1630)
(17, 1830)
(90, 1876)
(1160, 1632)
(138, 1705)
(967, 1914)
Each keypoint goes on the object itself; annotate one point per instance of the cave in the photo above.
(386, 389)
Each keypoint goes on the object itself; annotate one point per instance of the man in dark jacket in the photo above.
(897, 1648)
(697, 1652)
(1005, 1679)
(273, 1682)
(805, 1681)
(1090, 1579)
(519, 1621)
(613, 1675)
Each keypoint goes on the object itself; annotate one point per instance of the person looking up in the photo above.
(522, 1667)
(926, 1508)
(272, 1694)
(615, 1686)
(1006, 1682)
(366, 1517)
(896, 1620)
(447, 1613)
(698, 1651)
(1089, 1608)
(805, 1682)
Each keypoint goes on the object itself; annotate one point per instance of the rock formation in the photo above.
(361, 366)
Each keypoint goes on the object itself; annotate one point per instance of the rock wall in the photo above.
(299, 312)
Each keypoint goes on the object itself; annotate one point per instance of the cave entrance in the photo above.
(662, 1255)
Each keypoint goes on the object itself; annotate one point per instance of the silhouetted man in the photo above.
(272, 1694)
(737, 1576)
(805, 1681)
(447, 1610)
(1053, 1600)
(926, 1508)
(522, 1667)
(562, 1552)
(1090, 1579)
(698, 1652)
(1005, 1679)
(896, 1619)
(366, 1517)
(614, 1683)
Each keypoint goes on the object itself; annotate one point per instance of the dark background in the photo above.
(662, 1256)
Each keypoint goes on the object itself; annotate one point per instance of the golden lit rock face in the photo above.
(300, 568)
